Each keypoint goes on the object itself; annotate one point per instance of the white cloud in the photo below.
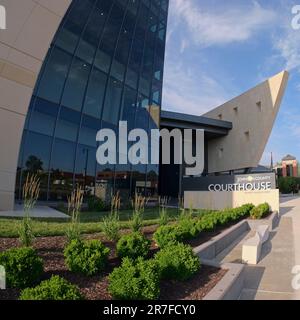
(189, 91)
(221, 27)
(288, 46)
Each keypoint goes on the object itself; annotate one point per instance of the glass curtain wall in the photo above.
(104, 65)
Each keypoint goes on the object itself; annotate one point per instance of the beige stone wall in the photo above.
(31, 25)
(253, 115)
(223, 200)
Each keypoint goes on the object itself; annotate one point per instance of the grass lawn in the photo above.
(91, 222)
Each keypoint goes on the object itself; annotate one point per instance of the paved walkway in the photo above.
(272, 278)
(37, 212)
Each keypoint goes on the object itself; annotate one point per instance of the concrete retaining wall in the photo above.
(232, 284)
(212, 248)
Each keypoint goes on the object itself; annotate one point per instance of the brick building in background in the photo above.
(288, 167)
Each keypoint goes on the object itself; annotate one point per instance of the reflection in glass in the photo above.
(104, 65)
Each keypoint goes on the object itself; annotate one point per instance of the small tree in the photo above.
(31, 191)
(111, 223)
(74, 208)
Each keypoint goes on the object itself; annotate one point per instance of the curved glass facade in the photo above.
(104, 65)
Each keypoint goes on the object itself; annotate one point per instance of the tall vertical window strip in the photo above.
(105, 64)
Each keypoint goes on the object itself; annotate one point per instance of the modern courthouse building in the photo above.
(71, 67)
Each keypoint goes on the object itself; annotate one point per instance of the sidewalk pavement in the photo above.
(37, 212)
(272, 278)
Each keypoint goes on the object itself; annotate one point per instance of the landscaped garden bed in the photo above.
(152, 262)
(50, 249)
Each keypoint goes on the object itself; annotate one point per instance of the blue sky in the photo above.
(218, 49)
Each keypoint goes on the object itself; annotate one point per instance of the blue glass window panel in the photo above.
(136, 55)
(162, 32)
(39, 146)
(68, 37)
(133, 6)
(42, 123)
(95, 94)
(143, 16)
(89, 128)
(132, 78)
(142, 119)
(112, 101)
(112, 29)
(63, 156)
(156, 97)
(129, 107)
(156, 91)
(89, 41)
(102, 60)
(164, 5)
(145, 85)
(123, 48)
(158, 69)
(68, 124)
(76, 85)
(118, 70)
(129, 24)
(143, 102)
(43, 117)
(85, 160)
(86, 51)
(80, 11)
(160, 50)
(53, 80)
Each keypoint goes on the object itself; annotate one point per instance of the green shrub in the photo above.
(211, 220)
(208, 222)
(177, 262)
(23, 267)
(135, 280)
(54, 289)
(136, 222)
(111, 226)
(138, 204)
(242, 212)
(75, 201)
(86, 257)
(165, 235)
(96, 204)
(26, 235)
(260, 211)
(225, 217)
(187, 228)
(133, 245)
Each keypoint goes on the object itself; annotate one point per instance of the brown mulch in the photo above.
(50, 249)
(194, 289)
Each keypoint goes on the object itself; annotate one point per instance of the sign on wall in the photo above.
(231, 183)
